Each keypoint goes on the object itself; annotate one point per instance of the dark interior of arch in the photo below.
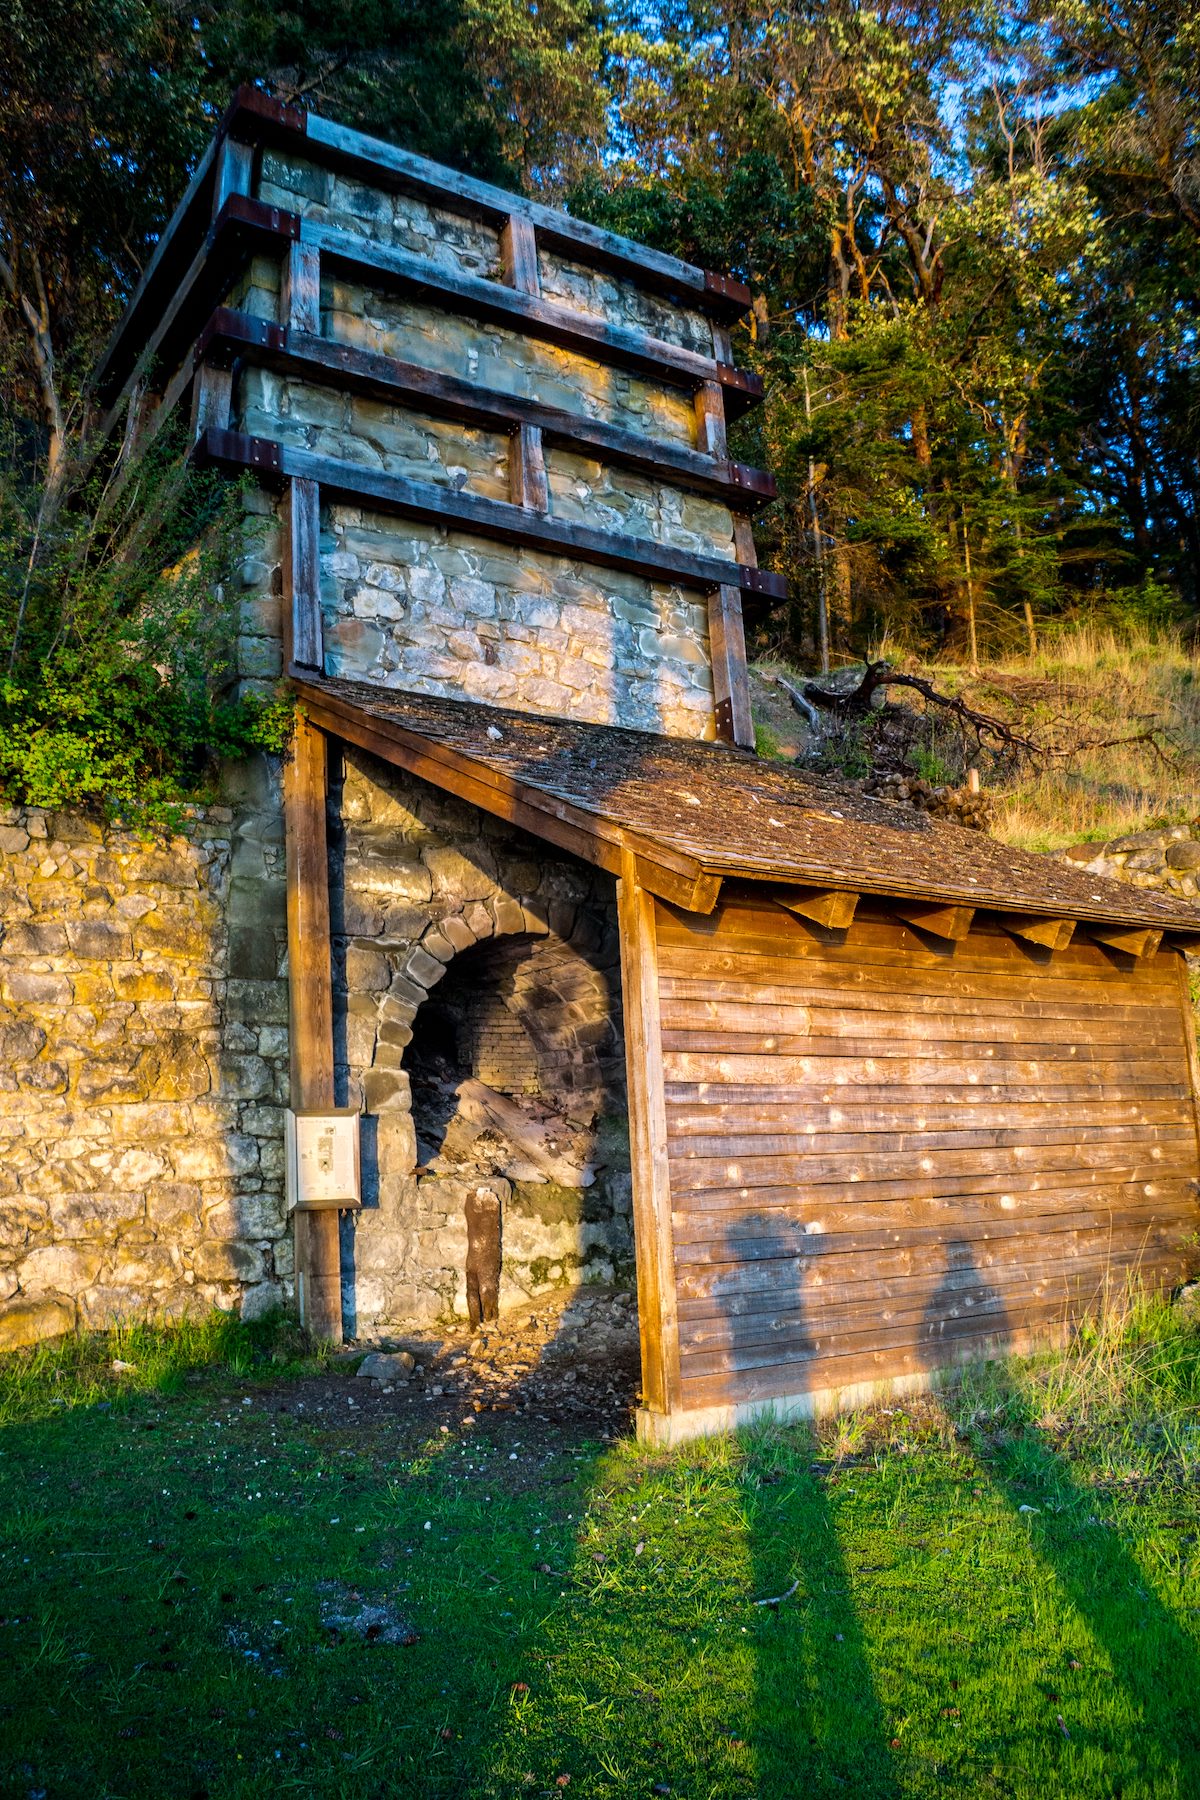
(516, 1056)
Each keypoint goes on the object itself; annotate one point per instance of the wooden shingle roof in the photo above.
(698, 813)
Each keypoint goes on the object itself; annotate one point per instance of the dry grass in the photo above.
(1085, 687)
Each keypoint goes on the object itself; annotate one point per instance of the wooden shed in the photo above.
(897, 1093)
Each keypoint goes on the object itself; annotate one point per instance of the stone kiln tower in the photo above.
(872, 1092)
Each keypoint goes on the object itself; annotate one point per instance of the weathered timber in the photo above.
(1129, 943)
(832, 909)
(519, 255)
(302, 628)
(881, 1154)
(231, 335)
(661, 872)
(310, 989)
(497, 519)
(527, 469)
(731, 681)
(657, 1320)
(1047, 934)
(950, 922)
(482, 1214)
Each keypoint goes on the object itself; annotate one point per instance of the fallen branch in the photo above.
(775, 1599)
(882, 675)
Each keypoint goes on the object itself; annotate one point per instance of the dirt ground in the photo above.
(568, 1359)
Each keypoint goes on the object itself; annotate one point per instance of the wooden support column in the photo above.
(519, 255)
(658, 1321)
(526, 456)
(310, 994)
(302, 630)
(300, 290)
(212, 388)
(527, 469)
(731, 682)
(710, 421)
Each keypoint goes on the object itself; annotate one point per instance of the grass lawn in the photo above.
(209, 1565)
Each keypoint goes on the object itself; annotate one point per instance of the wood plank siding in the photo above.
(888, 1152)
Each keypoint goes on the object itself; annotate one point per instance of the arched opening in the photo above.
(517, 1074)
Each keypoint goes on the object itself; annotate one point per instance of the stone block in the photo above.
(37, 937)
(28, 1321)
(264, 1298)
(97, 940)
(1184, 855)
(59, 1269)
(366, 970)
(228, 1262)
(243, 1078)
(459, 877)
(383, 1365)
(197, 1159)
(21, 988)
(257, 1002)
(424, 969)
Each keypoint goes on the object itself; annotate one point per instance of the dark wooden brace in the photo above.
(231, 337)
(255, 121)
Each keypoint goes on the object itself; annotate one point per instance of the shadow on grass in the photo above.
(1075, 1532)
(819, 1727)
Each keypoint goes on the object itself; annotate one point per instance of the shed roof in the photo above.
(697, 813)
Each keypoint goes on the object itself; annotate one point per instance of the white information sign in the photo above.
(322, 1158)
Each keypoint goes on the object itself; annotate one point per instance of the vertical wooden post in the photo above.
(212, 388)
(234, 173)
(527, 469)
(1188, 1012)
(710, 420)
(658, 1321)
(310, 994)
(731, 682)
(300, 289)
(519, 256)
(302, 629)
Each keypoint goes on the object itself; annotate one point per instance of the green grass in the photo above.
(996, 1592)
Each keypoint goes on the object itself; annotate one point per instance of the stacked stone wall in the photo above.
(1167, 859)
(143, 1028)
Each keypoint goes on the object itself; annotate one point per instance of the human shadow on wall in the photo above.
(965, 1315)
(818, 1725)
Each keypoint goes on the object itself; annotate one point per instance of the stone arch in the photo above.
(424, 887)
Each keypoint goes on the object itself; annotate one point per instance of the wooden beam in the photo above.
(1029, 928)
(673, 876)
(242, 226)
(489, 518)
(303, 639)
(233, 172)
(832, 908)
(1131, 940)
(710, 421)
(731, 680)
(310, 991)
(230, 335)
(300, 290)
(949, 922)
(212, 388)
(255, 119)
(527, 469)
(471, 296)
(654, 1248)
(389, 166)
(519, 255)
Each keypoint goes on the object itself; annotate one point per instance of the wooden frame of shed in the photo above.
(898, 1094)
